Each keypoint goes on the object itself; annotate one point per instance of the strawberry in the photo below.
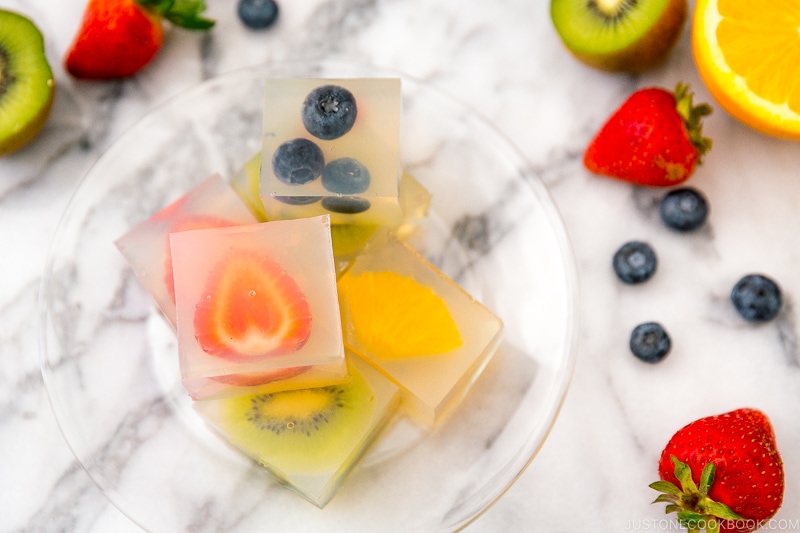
(654, 138)
(117, 38)
(184, 223)
(722, 473)
(251, 308)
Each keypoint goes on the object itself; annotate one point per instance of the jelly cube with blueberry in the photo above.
(331, 146)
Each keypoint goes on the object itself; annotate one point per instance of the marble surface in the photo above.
(592, 472)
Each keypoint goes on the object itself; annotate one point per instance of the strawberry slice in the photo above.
(251, 308)
(187, 223)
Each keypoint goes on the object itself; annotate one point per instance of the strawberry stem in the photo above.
(696, 511)
(692, 116)
(184, 13)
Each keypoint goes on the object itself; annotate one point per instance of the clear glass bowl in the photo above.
(109, 360)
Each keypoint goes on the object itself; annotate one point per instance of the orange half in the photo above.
(748, 53)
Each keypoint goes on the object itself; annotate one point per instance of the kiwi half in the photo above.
(619, 35)
(26, 82)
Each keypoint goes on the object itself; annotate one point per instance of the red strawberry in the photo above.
(654, 138)
(251, 308)
(117, 38)
(185, 223)
(729, 472)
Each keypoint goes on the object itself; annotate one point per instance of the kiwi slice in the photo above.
(297, 433)
(619, 35)
(26, 82)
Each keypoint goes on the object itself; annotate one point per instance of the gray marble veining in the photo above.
(504, 60)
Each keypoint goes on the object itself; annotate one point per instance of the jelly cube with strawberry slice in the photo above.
(212, 203)
(257, 308)
(331, 146)
(417, 326)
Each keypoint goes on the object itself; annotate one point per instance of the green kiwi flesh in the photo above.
(296, 433)
(619, 35)
(26, 82)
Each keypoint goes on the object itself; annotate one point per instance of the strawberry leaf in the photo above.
(707, 478)
(666, 487)
(692, 116)
(696, 511)
(184, 13)
(721, 510)
(684, 475)
(667, 498)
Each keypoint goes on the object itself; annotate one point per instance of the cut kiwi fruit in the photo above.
(310, 438)
(296, 432)
(26, 82)
(619, 35)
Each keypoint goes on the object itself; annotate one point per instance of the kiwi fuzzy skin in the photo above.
(27, 132)
(648, 51)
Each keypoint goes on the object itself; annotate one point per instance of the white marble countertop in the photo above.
(593, 471)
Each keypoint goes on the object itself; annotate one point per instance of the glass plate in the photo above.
(109, 360)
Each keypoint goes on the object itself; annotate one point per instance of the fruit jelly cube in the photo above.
(257, 308)
(212, 203)
(332, 146)
(349, 239)
(309, 439)
(417, 326)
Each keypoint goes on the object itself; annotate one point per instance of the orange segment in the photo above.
(393, 316)
(747, 54)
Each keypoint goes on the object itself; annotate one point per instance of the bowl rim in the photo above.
(565, 370)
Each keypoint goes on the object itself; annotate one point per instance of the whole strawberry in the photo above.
(722, 473)
(117, 38)
(655, 138)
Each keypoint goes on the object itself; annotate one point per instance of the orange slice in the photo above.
(748, 54)
(393, 316)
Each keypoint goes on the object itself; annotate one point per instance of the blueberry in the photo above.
(345, 176)
(298, 200)
(348, 205)
(757, 298)
(329, 112)
(634, 262)
(650, 342)
(297, 162)
(258, 14)
(684, 209)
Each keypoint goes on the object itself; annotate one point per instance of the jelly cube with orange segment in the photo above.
(146, 246)
(417, 326)
(257, 308)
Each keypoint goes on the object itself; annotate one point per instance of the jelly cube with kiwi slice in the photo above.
(415, 325)
(257, 308)
(309, 439)
(146, 247)
(331, 146)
